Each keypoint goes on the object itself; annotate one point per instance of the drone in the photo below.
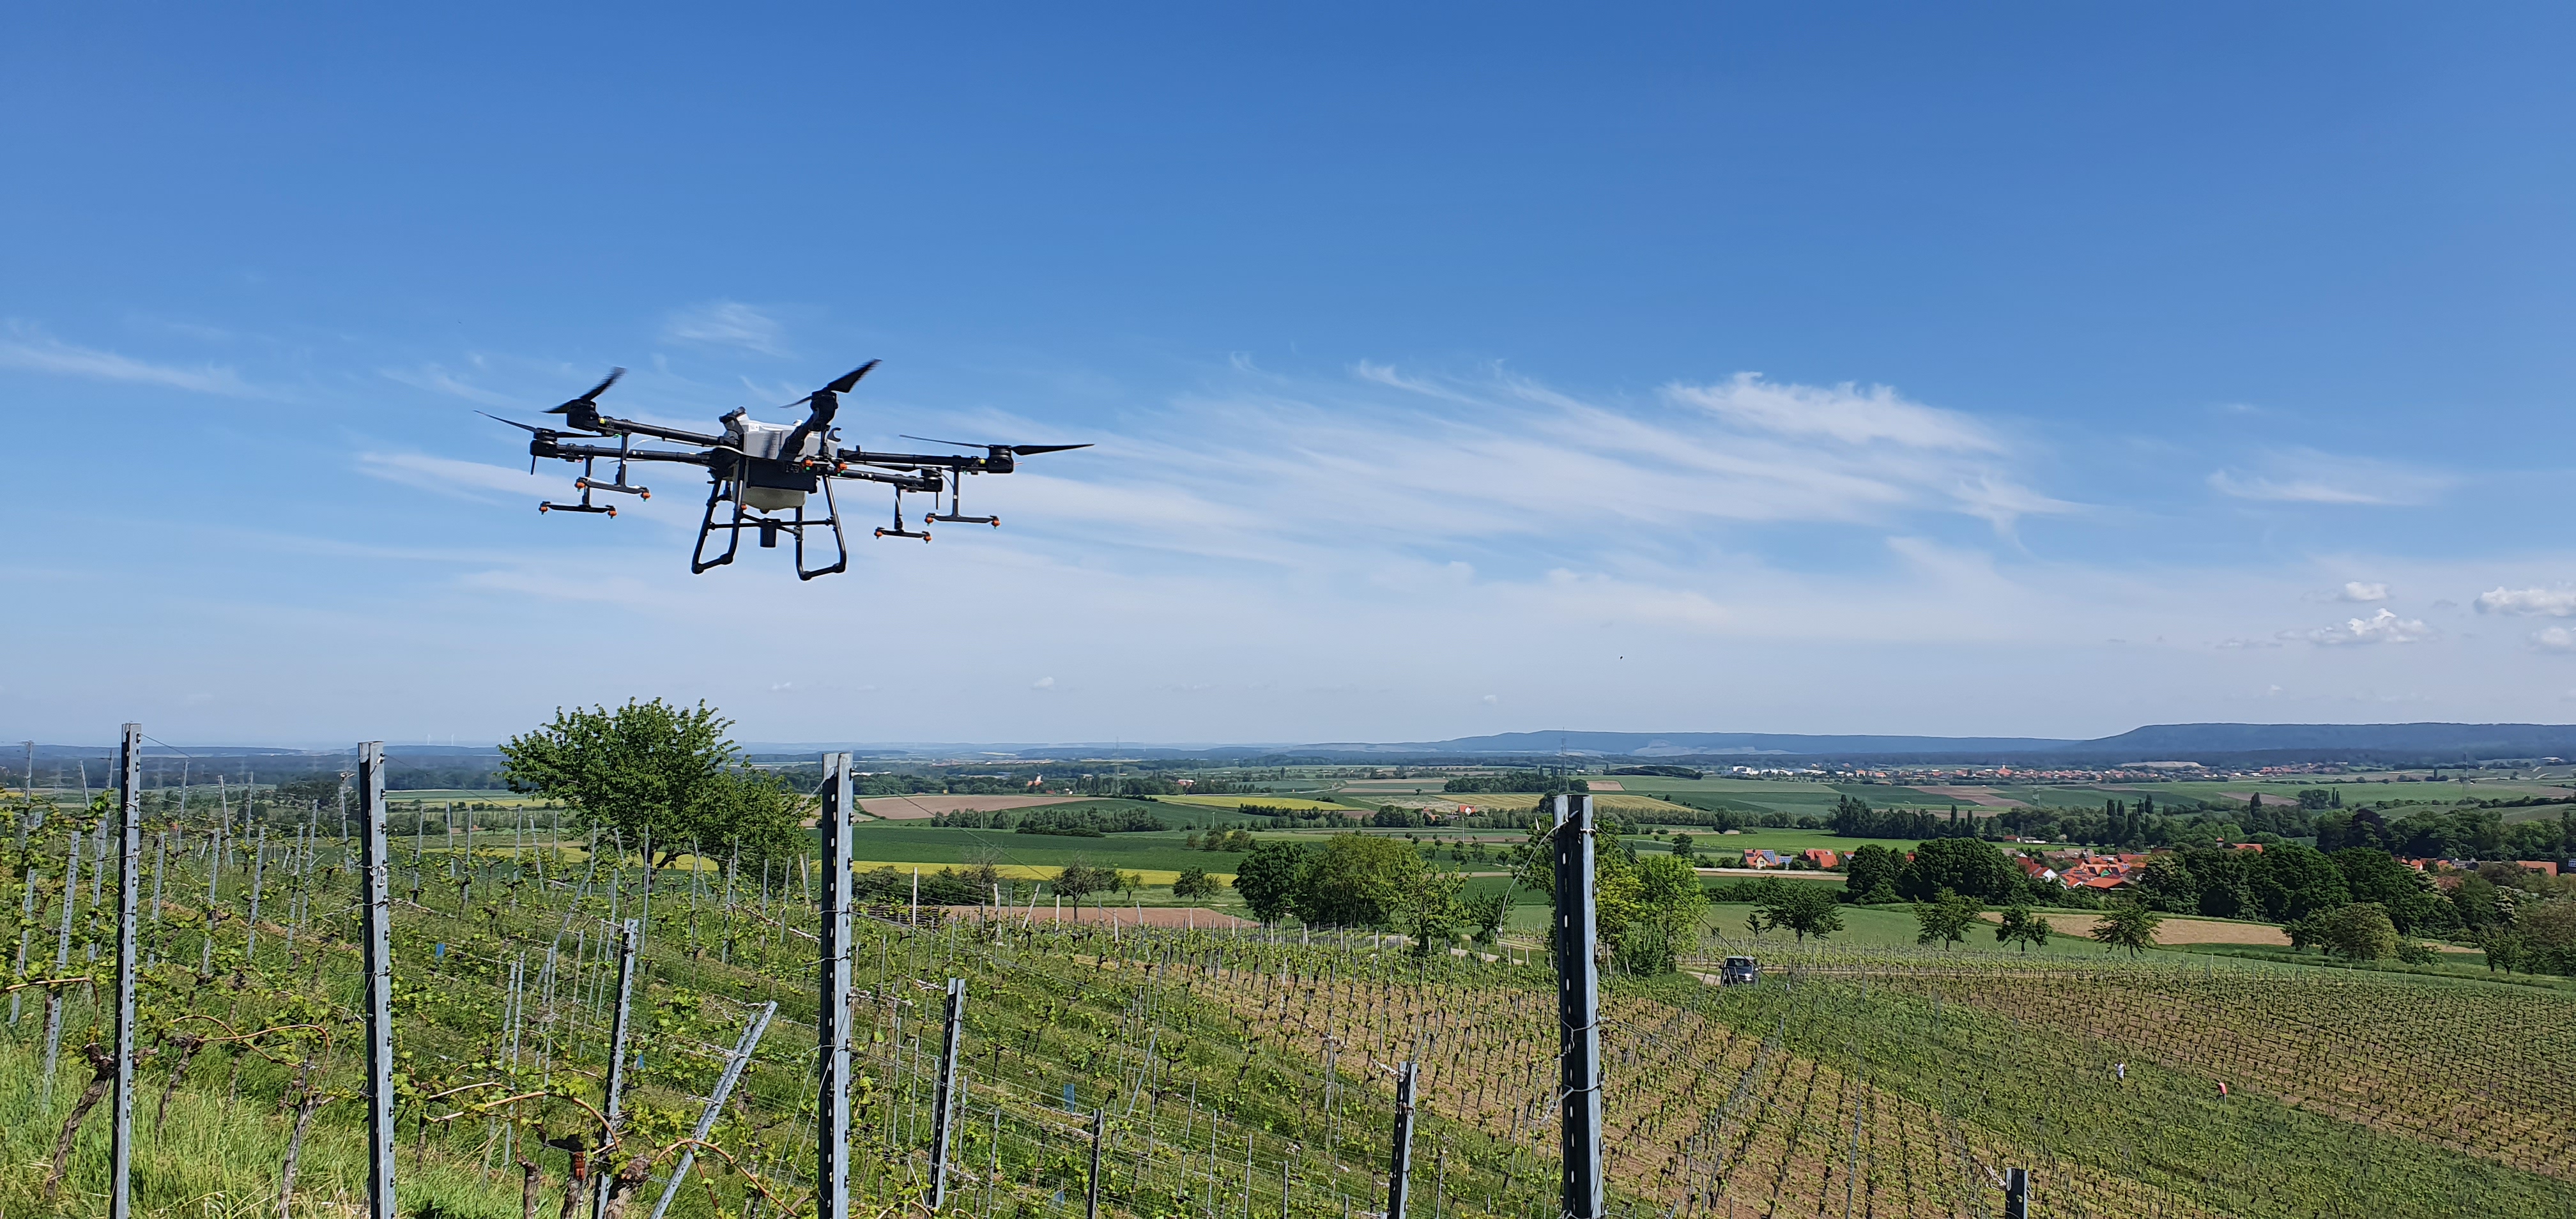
(766, 471)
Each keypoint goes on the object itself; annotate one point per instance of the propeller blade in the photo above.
(514, 423)
(1024, 450)
(959, 443)
(595, 391)
(851, 379)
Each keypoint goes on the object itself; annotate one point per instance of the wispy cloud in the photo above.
(725, 324)
(437, 379)
(2382, 627)
(2306, 476)
(2549, 602)
(1265, 471)
(2554, 639)
(467, 480)
(2356, 590)
(1844, 412)
(24, 346)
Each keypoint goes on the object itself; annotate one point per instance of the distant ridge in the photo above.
(1678, 744)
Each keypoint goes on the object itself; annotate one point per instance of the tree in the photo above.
(2129, 925)
(2360, 931)
(2373, 875)
(2293, 882)
(1484, 916)
(1870, 873)
(2022, 927)
(1969, 867)
(1079, 880)
(1682, 845)
(1804, 909)
(1648, 910)
(1267, 879)
(1194, 881)
(1357, 880)
(1946, 918)
(2167, 884)
(1430, 913)
(657, 770)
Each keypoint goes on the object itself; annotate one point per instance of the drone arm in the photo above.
(612, 425)
(978, 465)
(925, 483)
(544, 447)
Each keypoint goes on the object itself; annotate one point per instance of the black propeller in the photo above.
(583, 412)
(850, 380)
(544, 435)
(1015, 450)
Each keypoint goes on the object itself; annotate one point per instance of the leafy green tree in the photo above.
(2129, 925)
(1484, 916)
(1267, 879)
(1194, 881)
(1946, 918)
(2409, 897)
(1970, 867)
(1870, 873)
(2293, 881)
(2505, 948)
(1430, 913)
(1682, 845)
(2022, 927)
(1648, 909)
(1079, 879)
(2167, 884)
(1358, 880)
(657, 770)
(2360, 931)
(1803, 909)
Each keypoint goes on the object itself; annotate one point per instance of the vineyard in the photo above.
(1247, 1073)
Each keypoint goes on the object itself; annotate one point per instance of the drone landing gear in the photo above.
(951, 517)
(899, 531)
(768, 527)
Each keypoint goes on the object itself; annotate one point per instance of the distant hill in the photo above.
(1678, 744)
(2414, 744)
(2475, 740)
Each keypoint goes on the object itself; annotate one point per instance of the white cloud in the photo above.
(2552, 602)
(1842, 412)
(1043, 683)
(724, 324)
(2355, 590)
(468, 480)
(2382, 627)
(2554, 639)
(438, 379)
(25, 347)
(2306, 476)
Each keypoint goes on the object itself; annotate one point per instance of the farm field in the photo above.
(901, 808)
(1238, 801)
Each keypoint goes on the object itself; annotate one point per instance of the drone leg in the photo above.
(833, 508)
(699, 564)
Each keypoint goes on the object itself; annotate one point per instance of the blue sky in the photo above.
(2009, 370)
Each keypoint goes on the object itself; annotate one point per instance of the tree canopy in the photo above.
(660, 771)
(1969, 867)
(2130, 925)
